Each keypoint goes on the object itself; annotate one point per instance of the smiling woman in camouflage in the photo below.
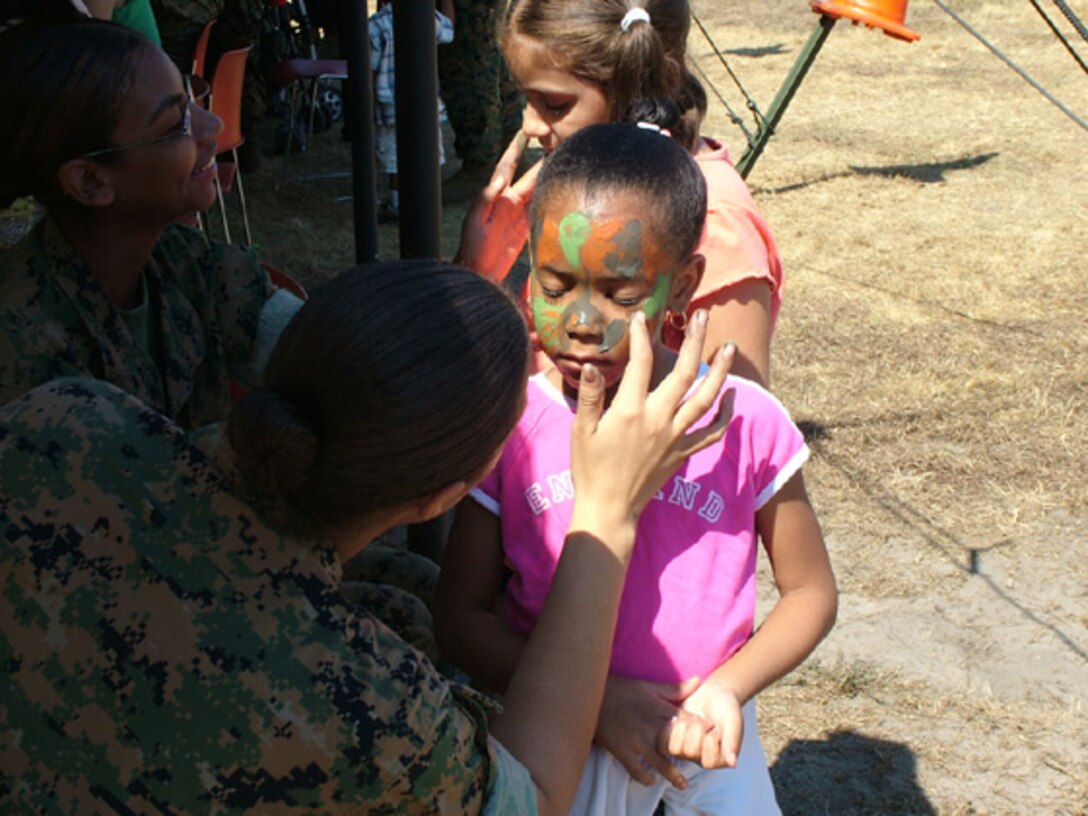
(104, 132)
(164, 650)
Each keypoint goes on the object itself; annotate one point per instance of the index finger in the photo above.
(524, 186)
(507, 164)
(688, 361)
(636, 377)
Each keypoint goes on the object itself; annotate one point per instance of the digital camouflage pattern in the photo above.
(55, 321)
(165, 651)
(181, 21)
(482, 102)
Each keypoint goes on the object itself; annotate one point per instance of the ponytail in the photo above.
(393, 381)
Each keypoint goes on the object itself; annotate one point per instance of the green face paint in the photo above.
(656, 302)
(546, 320)
(574, 229)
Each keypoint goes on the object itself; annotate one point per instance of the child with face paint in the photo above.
(584, 62)
(615, 223)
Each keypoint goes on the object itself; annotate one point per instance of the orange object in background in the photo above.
(887, 15)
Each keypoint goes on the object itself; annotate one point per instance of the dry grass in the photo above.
(932, 214)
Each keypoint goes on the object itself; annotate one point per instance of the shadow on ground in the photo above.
(923, 173)
(848, 774)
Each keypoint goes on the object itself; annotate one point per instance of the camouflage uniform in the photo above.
(181, 21)
(166, 652)
(482, 102)
(55, 321)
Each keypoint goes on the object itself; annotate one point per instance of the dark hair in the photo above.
(586, 38)
(62, 89)
(394, 380)
(601, 159)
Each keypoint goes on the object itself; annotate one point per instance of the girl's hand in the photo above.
(497, 223)
(711, 732)
(633, 715)
(620, 460)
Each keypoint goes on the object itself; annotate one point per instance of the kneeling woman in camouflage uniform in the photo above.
(166, 651)
(99, 126)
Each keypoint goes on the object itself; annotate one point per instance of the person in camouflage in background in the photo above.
(483, 104)
(108, 285)
(180, 24)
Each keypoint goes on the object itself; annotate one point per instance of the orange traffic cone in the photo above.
(887, 15)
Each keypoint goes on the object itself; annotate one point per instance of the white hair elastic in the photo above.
(655, 128)
(634, 15)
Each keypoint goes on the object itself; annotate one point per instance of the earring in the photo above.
(677, 321)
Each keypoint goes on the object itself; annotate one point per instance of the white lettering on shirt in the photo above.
(712, 508)
(684, 493)
(538, 502)
(562, 487)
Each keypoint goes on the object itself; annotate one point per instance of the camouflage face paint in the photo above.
(546, 319)
(587, 246)
(614, 332)
(626, 260)
(656, 302)
(574, 229)
(547, 316)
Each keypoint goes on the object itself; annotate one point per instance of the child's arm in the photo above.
(467, 628)
(445, 7)
(804, 614)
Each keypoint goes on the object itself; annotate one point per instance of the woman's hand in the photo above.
(497, 224)
(620, 460)
(633, 715)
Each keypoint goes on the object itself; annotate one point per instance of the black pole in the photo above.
(360, 118)
(416, 91)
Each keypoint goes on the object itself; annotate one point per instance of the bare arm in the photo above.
(742, 313)
(102, 9)
(468, 629)
(803, 615)
(617, 462)
(808, 597)
(446, 8)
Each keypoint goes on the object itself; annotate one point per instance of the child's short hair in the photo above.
(638, 156)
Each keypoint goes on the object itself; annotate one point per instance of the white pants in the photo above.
(746, 790)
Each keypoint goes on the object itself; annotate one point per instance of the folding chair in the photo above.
(226, 103)
(297, 74)
(200, 53)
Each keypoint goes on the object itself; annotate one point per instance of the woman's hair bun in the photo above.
(274, 445)
(660, 111)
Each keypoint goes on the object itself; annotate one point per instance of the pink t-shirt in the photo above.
(689, 600)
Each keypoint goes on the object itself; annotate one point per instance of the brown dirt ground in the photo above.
(932, 213)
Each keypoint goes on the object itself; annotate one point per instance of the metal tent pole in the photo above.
(417, 129)
(785, 94)
(360, 118)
